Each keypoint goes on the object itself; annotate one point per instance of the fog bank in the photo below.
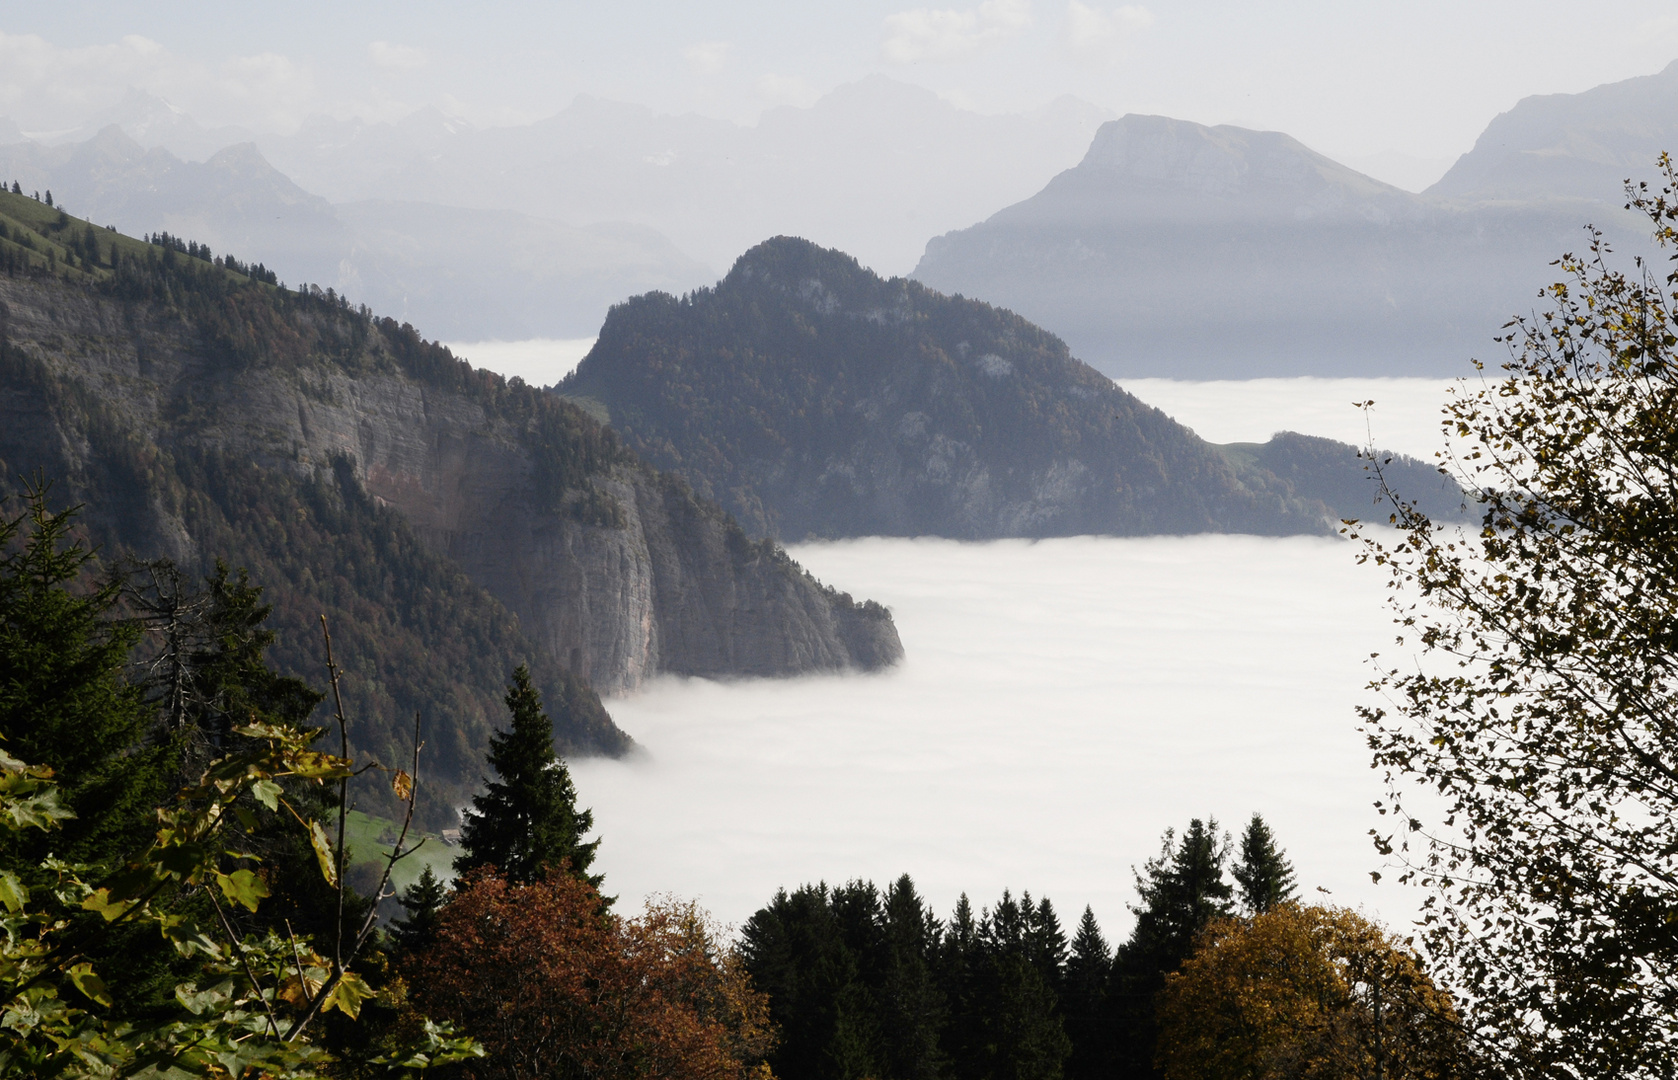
(1062, 703)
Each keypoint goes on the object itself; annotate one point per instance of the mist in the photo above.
(1062, 703)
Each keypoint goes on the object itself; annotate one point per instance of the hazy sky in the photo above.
(1352, 79)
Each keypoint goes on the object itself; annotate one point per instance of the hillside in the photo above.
(448, 523)
(1184, 251)
(812, 397)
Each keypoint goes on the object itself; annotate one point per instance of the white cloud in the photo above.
(393, 57)
(707, 57)
(46, 88)
(948, 34)
(784, 90)
(1092, 35)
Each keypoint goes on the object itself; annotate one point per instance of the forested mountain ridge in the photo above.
(813, 398)
(449, 523)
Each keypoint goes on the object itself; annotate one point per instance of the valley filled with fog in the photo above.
(1062, 703)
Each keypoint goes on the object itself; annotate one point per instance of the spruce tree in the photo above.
(1264, 873)
(911, 1006)
(65, 700)
(527, 820)
(1084, 1001)
(422, 901)
(1182, 890)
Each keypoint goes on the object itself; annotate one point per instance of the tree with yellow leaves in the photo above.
(1307, 993)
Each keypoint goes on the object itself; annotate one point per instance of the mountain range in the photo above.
(1180, 250)
(1152, 246)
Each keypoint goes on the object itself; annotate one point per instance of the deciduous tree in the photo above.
(1542, 720)
(1304, 993)
(553, 987)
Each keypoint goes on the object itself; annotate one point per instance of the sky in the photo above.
(1356, 80)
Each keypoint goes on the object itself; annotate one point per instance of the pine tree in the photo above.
(1264, 873)
(422, 901)
(527, 820)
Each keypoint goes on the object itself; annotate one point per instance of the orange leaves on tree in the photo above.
(551, 985)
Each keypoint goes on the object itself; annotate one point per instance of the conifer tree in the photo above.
(527, 820)
(1016, 1009)
(1084, 1000)
(64, 700)
(422, 901)
(911, 1007)
(1264, 873)
(1182, 890)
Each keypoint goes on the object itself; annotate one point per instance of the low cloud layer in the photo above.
(1062, 703)
(538, 361)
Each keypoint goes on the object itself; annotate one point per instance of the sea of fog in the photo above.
(1061, 704)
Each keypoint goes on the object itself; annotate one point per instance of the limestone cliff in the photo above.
(647, 580)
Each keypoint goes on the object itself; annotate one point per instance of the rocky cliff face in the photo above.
(618, 573)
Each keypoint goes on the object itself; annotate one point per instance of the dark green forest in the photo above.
(868, 982)
(415, 633)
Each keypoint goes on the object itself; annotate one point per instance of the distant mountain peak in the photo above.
(1222, 162)
(1570, 146)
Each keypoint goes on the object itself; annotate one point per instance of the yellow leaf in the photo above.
(323, 853)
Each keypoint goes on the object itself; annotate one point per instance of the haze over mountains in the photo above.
(1158, 248)
(534, 231)
(1175, 249)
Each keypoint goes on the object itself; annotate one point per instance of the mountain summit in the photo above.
(812, 397)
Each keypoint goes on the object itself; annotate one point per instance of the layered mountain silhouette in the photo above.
(811, 397)
(463, 273)
(1179, 250)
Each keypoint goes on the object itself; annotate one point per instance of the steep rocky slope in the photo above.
(197, 412)
(813, 398)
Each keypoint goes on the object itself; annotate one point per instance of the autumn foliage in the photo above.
(553, 986)
(1304, 992)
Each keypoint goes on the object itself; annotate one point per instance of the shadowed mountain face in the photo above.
(1184, 251)
(814, 398)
